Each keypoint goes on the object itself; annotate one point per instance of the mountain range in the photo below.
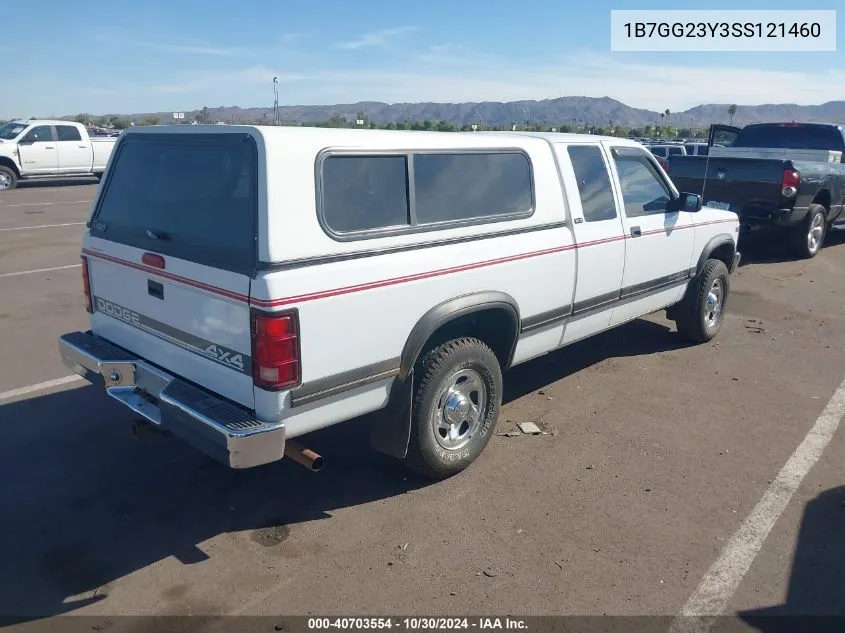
(572, 110)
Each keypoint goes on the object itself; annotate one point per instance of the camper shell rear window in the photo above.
(190, 196)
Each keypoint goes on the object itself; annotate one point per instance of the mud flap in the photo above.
(390, 428)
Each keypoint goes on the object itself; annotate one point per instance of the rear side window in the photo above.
(192, 196)
(676, 151)
(68, 133)
(593, 183)
(659, 151)
(377, 193)
(361, 193)
(463, 186)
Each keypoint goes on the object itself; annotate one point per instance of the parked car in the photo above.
(787, 178)
(696, 149)
(665, 150)
(49, 149)
(249, 285)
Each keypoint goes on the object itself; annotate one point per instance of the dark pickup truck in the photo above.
(799, 198)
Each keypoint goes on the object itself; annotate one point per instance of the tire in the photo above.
(700, 314)
(455, 378)
(807, 237)
(8, 178)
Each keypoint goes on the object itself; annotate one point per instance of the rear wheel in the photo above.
(455, 408)
(8, 178)
(700, 314)
(807, 237)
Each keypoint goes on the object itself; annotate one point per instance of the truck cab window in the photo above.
(40, 134)
(68, 133)
(643, 191)
(593, 183)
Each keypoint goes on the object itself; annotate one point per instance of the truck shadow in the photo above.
(58, 183)
(770, 249)
(815, 597)
(84, 504)
(637, 338)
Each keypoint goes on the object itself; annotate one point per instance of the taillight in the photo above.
(275, 350)
(789, 182)
(86, 286)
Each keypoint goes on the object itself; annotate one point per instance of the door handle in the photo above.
(635, 231)
(49, 147)
(82, 146)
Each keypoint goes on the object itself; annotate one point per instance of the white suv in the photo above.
(248, 285)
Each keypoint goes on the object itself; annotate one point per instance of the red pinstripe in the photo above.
(167, 275)
(324, 294)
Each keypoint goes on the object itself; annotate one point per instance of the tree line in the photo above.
(664, 130)
(362, 121)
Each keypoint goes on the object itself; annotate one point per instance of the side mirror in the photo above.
(26, 141)
(689, 202)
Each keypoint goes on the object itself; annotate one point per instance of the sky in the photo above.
(172, 55)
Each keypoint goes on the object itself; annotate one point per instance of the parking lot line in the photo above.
(41, 226)
(45, 204)
(724, 576)
(38, 270)
(14, 393)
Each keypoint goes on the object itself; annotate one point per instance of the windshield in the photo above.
(11, 130)
(781, 136)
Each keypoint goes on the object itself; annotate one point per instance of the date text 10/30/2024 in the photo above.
(415, 624)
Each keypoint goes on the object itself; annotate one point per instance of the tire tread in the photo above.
(798, 235)
(689, 322)
(13, 177)
(428, 366)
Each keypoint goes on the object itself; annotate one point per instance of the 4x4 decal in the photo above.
(233, 359)
(225, 356)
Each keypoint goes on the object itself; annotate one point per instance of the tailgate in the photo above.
(734, 183)
(170, 254)
(101, 149)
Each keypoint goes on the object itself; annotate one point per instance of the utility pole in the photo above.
(276, 101)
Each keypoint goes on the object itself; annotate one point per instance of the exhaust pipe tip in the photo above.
(304, 456)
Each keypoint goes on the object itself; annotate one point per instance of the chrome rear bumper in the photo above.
(211, 424)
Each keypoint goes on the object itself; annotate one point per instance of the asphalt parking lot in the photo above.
(662, 462)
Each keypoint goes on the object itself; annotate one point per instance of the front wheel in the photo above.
(700, 314)
(808, 236)
(8, 178)
(455, 407)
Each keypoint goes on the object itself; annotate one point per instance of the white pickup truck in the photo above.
(248, 285)
(41, 148)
